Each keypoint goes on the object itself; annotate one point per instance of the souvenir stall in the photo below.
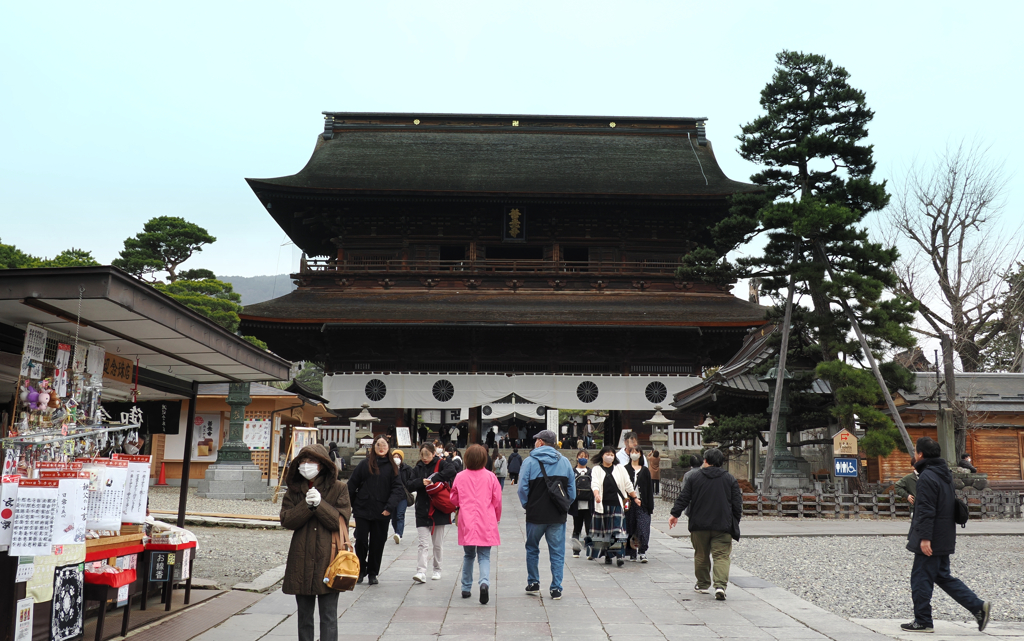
(74, 492)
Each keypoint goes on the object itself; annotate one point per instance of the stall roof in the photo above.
(129, 318)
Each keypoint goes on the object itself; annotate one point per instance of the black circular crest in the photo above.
(487, 410)
(587, 391)
(656, 392)
(541, 410)
(443, 390)
(375, 390)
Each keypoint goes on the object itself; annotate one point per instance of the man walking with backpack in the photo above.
(546, 490)
(932, 539)
(716, 506)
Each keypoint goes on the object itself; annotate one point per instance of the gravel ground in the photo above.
(166, 498)
(869, 577)
(230, 555)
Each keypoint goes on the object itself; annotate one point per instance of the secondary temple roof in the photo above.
(507, 308)
(435, 154)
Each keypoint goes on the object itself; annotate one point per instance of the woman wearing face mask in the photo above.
(375, 489)
(398, 518)
(429, 523)
(583, 505)
(317, 504)
(612, 489)
(638, 519)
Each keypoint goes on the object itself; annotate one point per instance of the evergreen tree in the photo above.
(818, 186)
(212, 298)
(164, 243)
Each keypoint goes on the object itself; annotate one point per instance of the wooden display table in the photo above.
(157, 570)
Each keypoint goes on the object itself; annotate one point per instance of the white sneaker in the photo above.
(643, 558)
(720, 594)
(397, 538)
(419, 577)
(436, 576)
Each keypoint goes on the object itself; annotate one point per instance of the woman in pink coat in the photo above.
(477, 494)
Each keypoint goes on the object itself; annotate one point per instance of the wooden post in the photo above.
(868, 355)
(780, 375)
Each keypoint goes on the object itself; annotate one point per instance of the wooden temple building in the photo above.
(453, 261)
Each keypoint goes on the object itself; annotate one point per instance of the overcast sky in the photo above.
(114, 113)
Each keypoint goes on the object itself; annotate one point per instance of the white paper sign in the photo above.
(8, 503)
(23, 620)
(106, 495)
(33, 518)
(256, 434)
(136, 489)
(186, 555)
(122, 595)
(94, 362)
(25, 570)
(35, 347)
(69, 522)
(60, 369)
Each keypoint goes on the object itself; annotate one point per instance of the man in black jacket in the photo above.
(716, 506)
(932, 539)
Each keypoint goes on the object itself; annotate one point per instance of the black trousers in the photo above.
(930, 571)
(580, 520)
(514, 476)
(371, 535)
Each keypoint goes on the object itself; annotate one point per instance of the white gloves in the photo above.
(313, 497)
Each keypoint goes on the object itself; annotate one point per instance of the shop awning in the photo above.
(172, 345)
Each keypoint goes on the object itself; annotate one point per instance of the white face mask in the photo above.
(397, 460)
(309, 470)
(635, 456)
(609, 458)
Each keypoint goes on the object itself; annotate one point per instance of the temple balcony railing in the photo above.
(363, 265)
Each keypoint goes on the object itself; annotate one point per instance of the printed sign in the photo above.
(34, 348)
(404, 437)
(844, 444)
(26, 568)
(8, 502)
(846, 467)
(33, 518)
(159, 570)
(23, 620)
(256, 434)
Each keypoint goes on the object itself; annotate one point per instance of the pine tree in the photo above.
(818, 189)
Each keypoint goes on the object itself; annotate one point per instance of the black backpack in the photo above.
(584, 492)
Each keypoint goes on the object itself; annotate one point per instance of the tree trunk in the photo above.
(959, 419)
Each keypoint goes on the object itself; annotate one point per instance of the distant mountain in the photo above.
(256, 289)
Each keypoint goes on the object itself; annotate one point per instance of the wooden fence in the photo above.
(985, 504)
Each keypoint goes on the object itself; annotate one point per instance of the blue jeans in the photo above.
(554, 533)
(398, 518)
(930, 571)
(483, 552)
(501, 482)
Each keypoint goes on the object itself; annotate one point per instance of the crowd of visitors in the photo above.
(610, 499)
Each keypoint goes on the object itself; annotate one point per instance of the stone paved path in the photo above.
(650, 601)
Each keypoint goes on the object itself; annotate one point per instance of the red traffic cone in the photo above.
(163, 474)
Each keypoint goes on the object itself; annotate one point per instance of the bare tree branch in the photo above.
(945, 218)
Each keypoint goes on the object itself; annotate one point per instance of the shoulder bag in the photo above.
(343, 571)
(557, 490)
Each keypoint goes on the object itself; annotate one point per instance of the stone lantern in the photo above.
(364, 429)
(659, 429)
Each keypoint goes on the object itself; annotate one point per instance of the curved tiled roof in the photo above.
(543, 155)
(597, 309)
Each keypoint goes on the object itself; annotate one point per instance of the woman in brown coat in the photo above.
(315, 502)
(654, 465)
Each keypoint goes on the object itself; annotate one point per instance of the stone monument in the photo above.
(234, 475)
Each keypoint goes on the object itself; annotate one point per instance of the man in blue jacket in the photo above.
(932, 539)
(544, 518)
